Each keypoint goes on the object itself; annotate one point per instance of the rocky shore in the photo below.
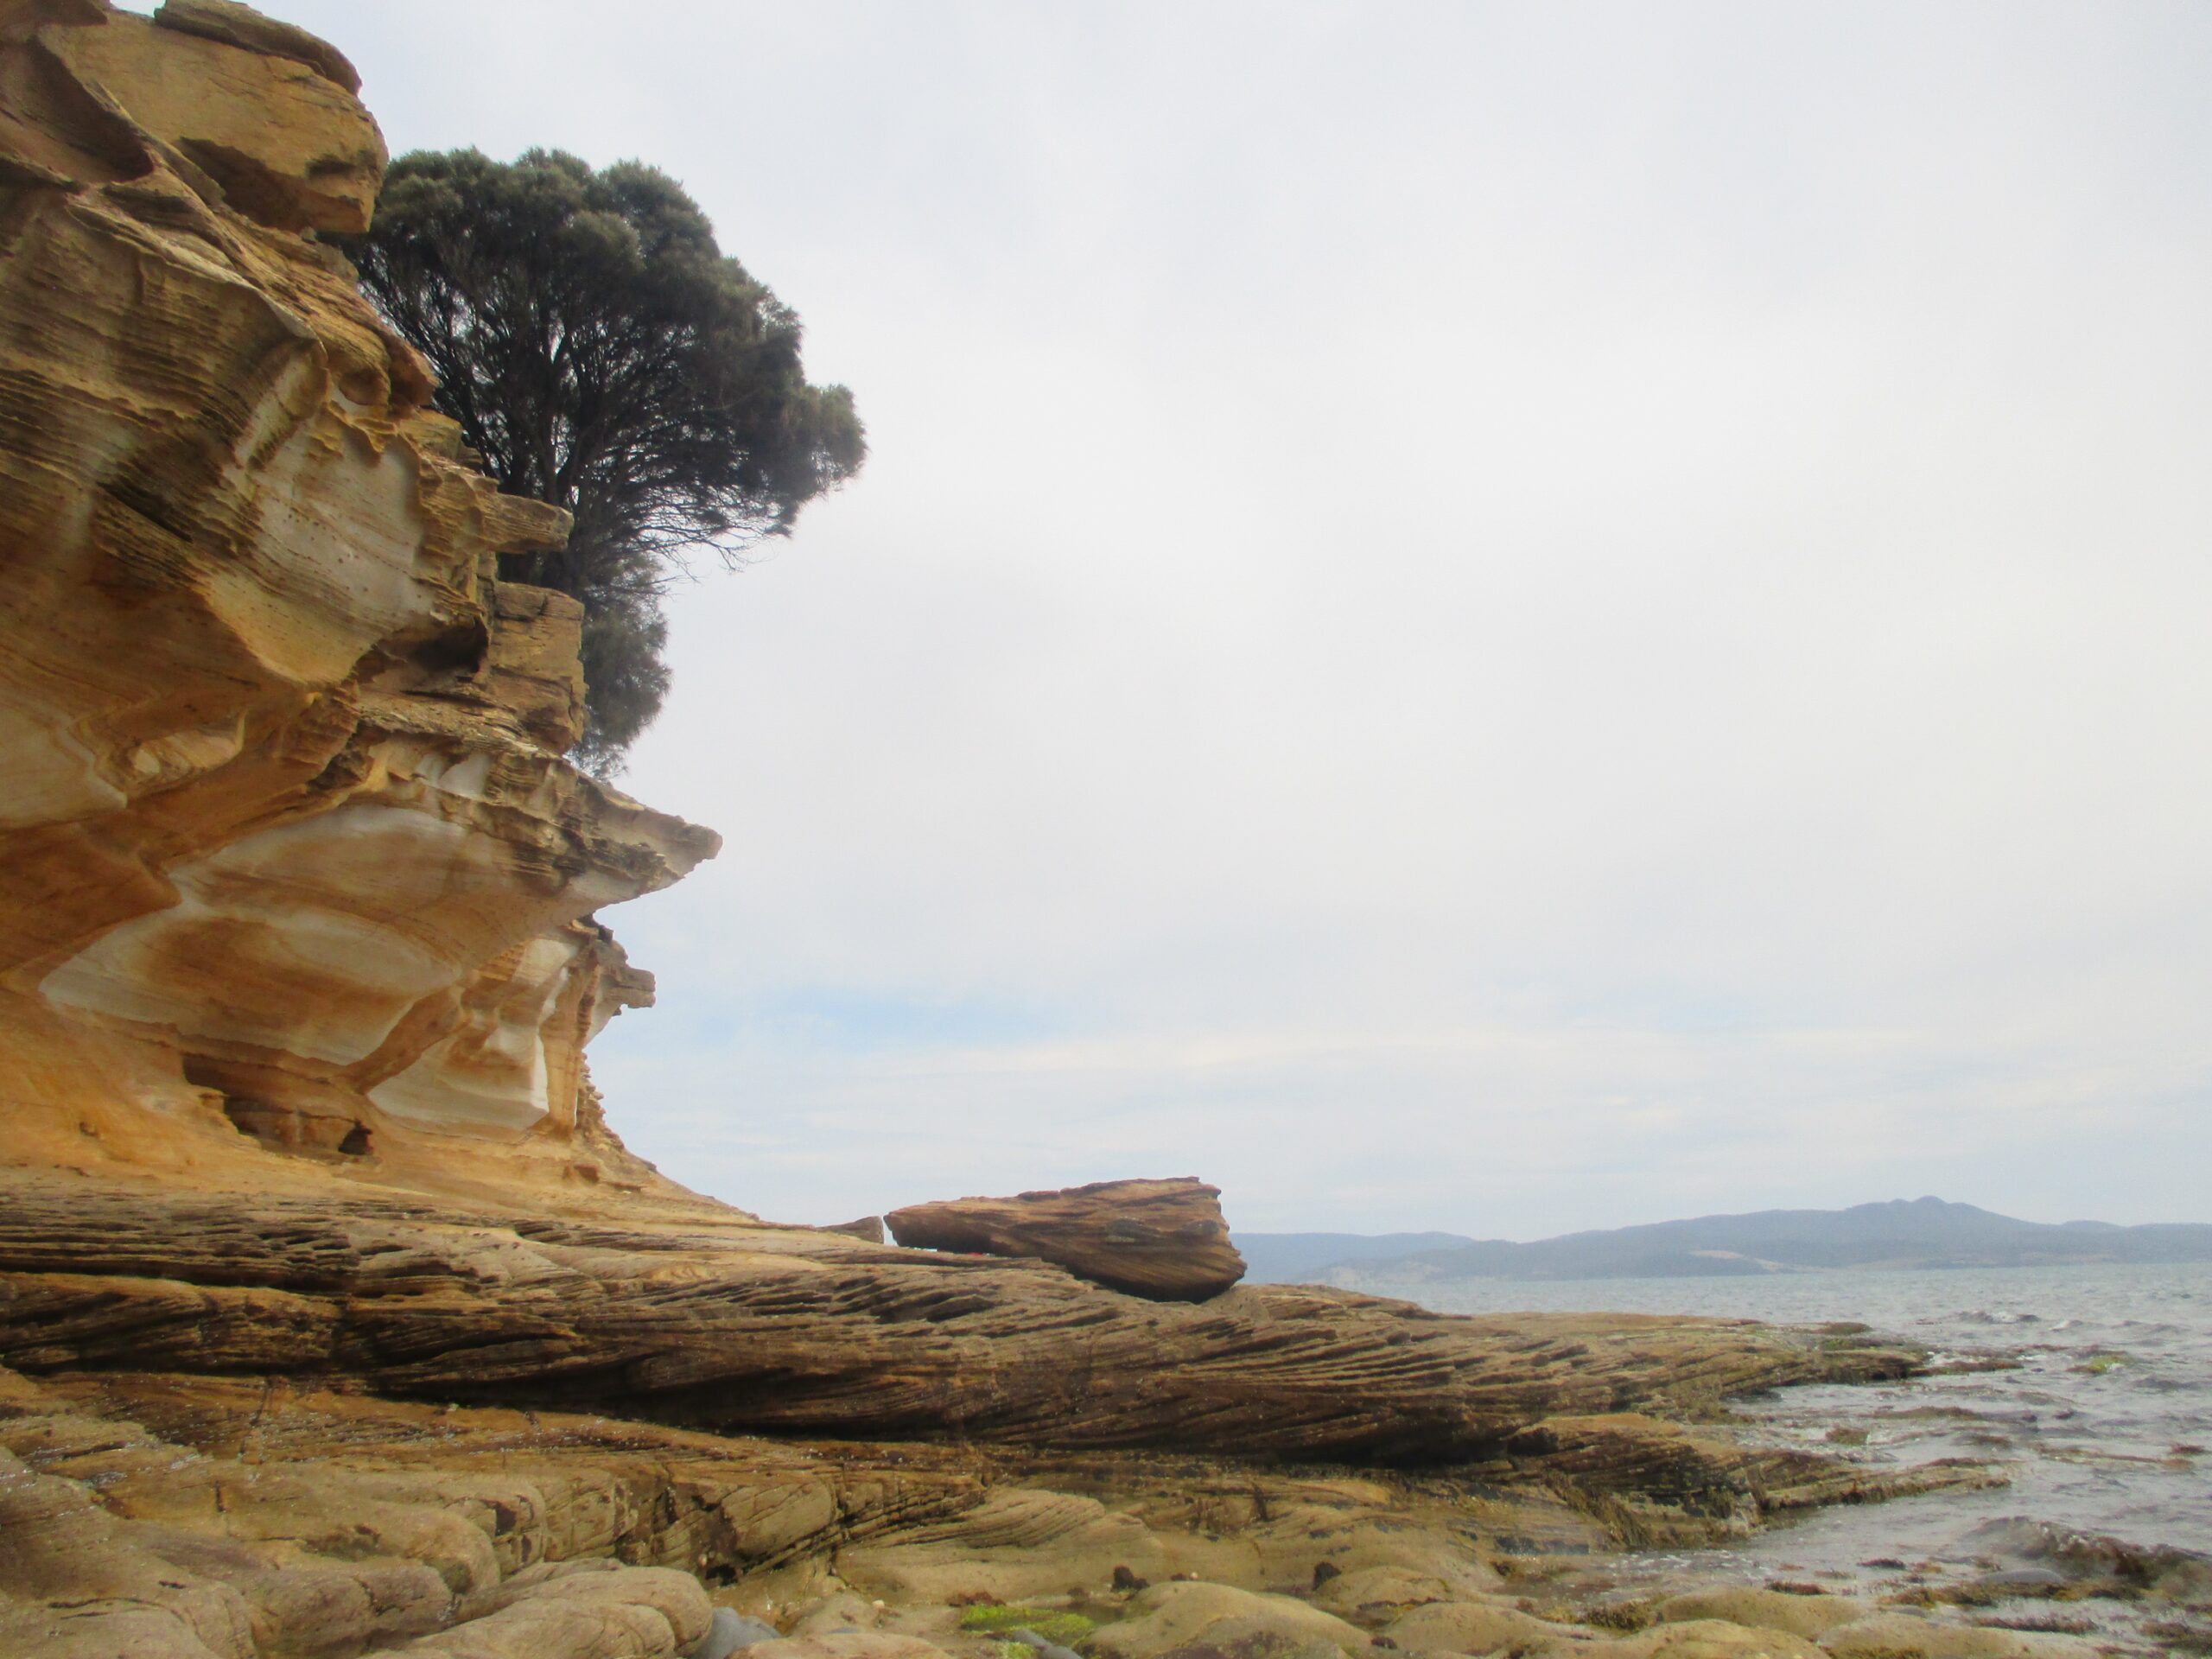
(149, 1510)
(333, 1317)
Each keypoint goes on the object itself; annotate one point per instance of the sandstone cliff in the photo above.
(288, 845)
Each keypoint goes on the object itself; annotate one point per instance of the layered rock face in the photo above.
(1163, 1240)
(288, 844)
(708, 1319)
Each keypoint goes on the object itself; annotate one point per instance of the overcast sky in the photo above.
(1496, 618)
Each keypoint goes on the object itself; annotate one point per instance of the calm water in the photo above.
(2099, 1428)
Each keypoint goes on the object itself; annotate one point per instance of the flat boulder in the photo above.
(1162, 1240)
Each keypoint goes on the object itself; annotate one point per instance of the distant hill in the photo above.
(1903, 1233)
(1298, 1258)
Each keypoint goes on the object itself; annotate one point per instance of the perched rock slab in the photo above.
(1162, 1240)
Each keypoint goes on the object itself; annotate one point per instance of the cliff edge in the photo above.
(288, 849)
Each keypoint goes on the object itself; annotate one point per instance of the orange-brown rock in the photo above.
(218, 1517)
(286, 140)
(288, 841)
(1163, 1240)
(226, 20)
(259, 1517)
(701, 1315)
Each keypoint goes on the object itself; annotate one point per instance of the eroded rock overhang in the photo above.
(288, 843)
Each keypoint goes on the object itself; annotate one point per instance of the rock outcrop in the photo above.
(1162, 1240)
(288, 844)
(703, 1317)
(187, 1518)
(182, 1517)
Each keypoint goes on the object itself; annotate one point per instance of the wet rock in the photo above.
(1038, 1645)
(732, 1632)
(1885, 1635)
(2161, 1568)
(2029, 1580)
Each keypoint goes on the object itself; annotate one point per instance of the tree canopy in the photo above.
(603, 354)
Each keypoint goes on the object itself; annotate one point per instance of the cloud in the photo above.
(1461, 616)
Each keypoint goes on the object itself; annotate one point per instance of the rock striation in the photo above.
(183, 1517)
(289, 845)
(704, 1318)
(1162, 1240)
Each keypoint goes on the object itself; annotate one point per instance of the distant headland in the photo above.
(1916, 1233)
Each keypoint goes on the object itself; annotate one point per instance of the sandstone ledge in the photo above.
(289, 838)
(702, 1317)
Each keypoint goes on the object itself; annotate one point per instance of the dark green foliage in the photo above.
(602, 354)
(625, 675)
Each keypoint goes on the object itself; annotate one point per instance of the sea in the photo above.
(2098, 1408)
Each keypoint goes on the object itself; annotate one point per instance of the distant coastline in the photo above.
(1904, 1235)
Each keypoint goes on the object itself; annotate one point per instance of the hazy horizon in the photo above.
(1718, 1214)
(1471, 618)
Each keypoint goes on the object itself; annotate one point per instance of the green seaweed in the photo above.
(1053, 1623)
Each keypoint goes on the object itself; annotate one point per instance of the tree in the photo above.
(602, 353)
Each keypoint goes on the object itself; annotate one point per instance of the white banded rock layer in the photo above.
(288, 837)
